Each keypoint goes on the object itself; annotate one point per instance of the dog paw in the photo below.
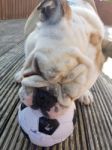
(87, 98)
(18, 77)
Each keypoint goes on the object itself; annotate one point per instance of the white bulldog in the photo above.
(63, 49)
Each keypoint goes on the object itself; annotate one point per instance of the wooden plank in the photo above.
(105, 11)
(1, 9)
(16, 9)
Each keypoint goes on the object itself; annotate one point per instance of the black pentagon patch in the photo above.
(48, 126)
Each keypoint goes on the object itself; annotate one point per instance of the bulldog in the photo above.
(63, 49)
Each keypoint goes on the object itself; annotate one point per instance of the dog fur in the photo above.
(64, 48)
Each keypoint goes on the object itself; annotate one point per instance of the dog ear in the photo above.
(32, 19)
(31, 22)
(47, 7)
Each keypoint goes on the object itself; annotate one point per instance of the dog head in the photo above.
(50, 11)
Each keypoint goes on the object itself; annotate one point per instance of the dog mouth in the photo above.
(25, 75)
(30, 72)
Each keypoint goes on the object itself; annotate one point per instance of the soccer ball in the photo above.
(43, 131)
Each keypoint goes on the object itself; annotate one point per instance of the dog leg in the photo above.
(18, 76)
(87, 98)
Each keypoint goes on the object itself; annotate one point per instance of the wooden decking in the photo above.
(93, 129)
